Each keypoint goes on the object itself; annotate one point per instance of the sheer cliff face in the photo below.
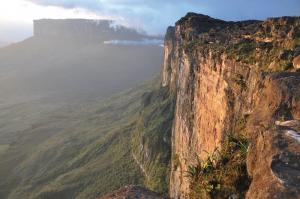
(217, 70)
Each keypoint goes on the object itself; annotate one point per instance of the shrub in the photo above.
(222, 173)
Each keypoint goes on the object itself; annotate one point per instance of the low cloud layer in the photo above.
(144, 42)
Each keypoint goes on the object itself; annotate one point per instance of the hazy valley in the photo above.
(89, 109)
(52, 87)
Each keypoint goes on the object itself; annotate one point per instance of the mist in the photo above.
(72, 59)
(57, 81)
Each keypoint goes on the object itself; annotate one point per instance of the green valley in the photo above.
(84, 150)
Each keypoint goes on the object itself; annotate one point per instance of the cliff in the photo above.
(235, 83)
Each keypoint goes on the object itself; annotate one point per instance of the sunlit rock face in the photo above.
(274, 154)
(169, 68)
(217, 70)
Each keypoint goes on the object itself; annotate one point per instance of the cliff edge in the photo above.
(236, 122)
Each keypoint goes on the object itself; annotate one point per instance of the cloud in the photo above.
(152, 16)
(144, 42)
(155, 15)
(90, 4)
(16, 18)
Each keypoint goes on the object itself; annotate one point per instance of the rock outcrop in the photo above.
(223, 72)
(274, 128)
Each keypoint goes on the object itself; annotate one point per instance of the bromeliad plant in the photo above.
(222, 172)
(200, 172)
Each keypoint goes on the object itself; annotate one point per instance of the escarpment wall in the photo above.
(214, 87)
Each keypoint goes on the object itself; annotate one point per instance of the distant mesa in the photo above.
(102, 30)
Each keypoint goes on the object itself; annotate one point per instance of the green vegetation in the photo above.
(223, 173)
(151, 140)
(3, 148)
(244, 50)
(84, 150)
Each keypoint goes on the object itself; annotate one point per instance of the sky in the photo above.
(152, 16)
